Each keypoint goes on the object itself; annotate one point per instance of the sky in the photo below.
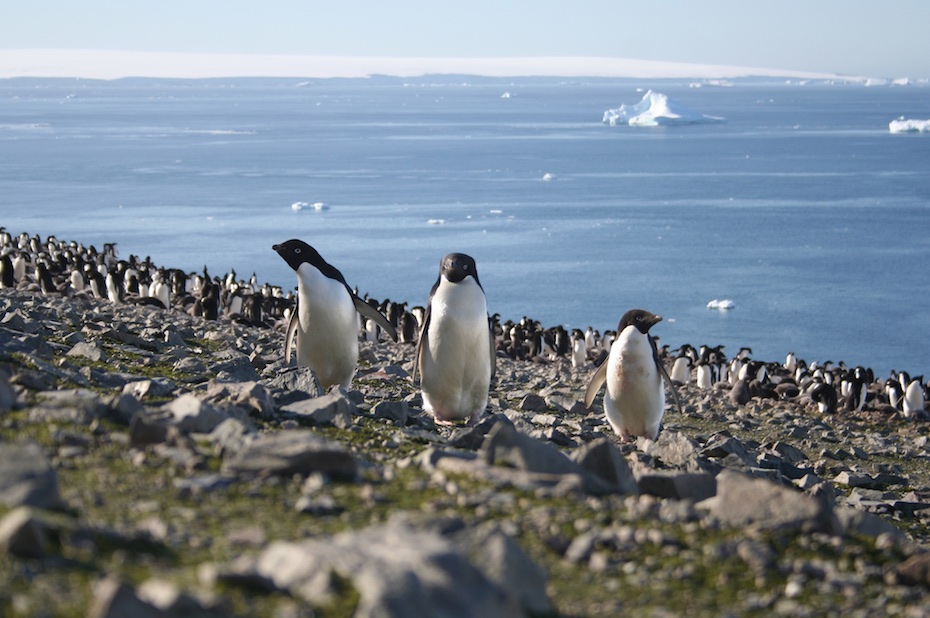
(848, 37)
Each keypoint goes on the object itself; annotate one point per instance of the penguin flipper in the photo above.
(597, 381)
(493, 349)
(421, 344)
(671, 386)
(370, 312)
(291, 335)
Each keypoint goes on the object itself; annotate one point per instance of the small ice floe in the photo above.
(547, 176)
(496, 211)
(436, 221)
(506, 95)
(722, 305)
(317, 206)
(656, 110)
(905, 125)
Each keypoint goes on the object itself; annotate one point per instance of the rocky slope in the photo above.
(158, 464)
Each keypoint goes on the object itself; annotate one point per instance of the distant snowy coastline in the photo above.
(98, 64)
(655, 110)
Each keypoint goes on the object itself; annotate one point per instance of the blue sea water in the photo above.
(802, 208)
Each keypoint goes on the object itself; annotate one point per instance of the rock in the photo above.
(915, 571)
(742, 500)
(533, 403)
(675, 450)
(505, 446)
(396, 570)
(151, 388)
(294, 383)
(27, 478)
(694, 486)
(113, 599)
(7, 394)
(503, 562)
(292, 452)
(190, 414)
(249, 395)
(334, 408)
(396, 411)
(89, 350)
(22, 535)
(145, 430)
(603, 459)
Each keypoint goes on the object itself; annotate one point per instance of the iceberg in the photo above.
(905, 125)
(655, 110)
(722, 305)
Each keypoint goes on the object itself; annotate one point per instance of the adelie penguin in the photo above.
(635, 400)
(326, 320)
(455, 352)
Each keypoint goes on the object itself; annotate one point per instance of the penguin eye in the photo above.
(296, 249)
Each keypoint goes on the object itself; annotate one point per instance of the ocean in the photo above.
(802, 208)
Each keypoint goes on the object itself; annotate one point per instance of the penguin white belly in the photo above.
(456, 366)
(327, 341)
(635, 400)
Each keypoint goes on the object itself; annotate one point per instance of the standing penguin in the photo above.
(635, 398)
(326, 319)
(455, 353)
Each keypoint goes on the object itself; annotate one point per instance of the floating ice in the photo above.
(722, 305)
(298, 206)
(317, 206)
(656, 110)
(547, 176)
(904, 125)
(436, 221)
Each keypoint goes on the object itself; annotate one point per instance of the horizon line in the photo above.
(113, 64)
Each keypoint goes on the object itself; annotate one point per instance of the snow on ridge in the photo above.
(109, 64)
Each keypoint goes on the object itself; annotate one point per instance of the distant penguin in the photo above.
(681, 370)
(824, 395)
(635, 400)
(6, 272)
(579, 349)
(913, 398)
(705, 375)
(455, 353)
(326, 320)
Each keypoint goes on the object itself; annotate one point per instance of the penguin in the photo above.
(579, 349)
(635, 398)
(455, 353)
(824, 395)
(326, 320)
(7, 279)
(681, 370)
(913, 404)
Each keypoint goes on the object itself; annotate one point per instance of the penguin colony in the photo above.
(634, 397)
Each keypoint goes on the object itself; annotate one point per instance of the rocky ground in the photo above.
(157, 464)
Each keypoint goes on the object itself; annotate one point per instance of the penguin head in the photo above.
(641, 319)
(296, 252)
(456, 266)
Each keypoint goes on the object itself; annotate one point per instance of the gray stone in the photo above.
(153, 388)
(27, 478)
(675, 450)
(113, 599)
(334, 408)
(191, 414)
(397, 571)
(145, 430)
(396, 411)
(249, 395)
(694, 486)
(506, 446)
(292, 452)
(89, 350)
(7, 394)
(742, 500)
(533, 403)
(22, 535)
(503, 562)
(602, 458)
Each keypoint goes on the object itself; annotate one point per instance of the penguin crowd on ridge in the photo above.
(52, 266)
